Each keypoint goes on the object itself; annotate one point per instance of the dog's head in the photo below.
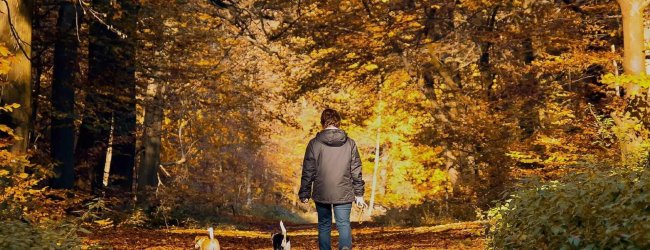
(281, 240)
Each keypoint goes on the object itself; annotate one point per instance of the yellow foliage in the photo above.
(370, 67)
(6, 59)
(4, 51)
(204, 62)
(104, 223)
(204, 16)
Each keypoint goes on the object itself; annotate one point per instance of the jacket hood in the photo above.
(332, 137)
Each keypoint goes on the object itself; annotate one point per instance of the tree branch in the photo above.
(15, 35)
(437, 65)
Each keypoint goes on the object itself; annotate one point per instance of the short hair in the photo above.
(330, 117)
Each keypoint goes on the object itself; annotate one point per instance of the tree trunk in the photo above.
(16, 34)
(150, 162)
(646, 38)
(124, 147)
(111, 91)
(377, 149)
(95, 127)
(485, 66)
(633, 35)
(294, 198)
(124, 138)
(529, 117)
(106, 174)
(383, 174)
(65, 73)
(94, 131)
(633, 64)
(38, 64)
(249, 180)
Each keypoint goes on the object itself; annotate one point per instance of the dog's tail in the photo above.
(284, 230)
(284, 234)
(211, 232)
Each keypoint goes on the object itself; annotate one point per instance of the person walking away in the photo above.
(331, 176)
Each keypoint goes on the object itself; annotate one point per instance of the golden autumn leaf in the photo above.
(203, 62)
(5, 66)
(4, 51)
(204, 16)
(370, 67)
(104, 222)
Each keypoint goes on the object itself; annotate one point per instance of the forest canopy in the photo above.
(189, 113)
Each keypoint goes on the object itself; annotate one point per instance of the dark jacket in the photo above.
(332, 165)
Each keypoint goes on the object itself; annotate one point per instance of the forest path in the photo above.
(464, 235)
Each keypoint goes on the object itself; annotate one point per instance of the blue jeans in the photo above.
(342, 216)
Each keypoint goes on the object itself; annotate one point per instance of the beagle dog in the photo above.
(205, 243)
(281, 240)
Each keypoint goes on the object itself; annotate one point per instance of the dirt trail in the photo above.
(467, 235)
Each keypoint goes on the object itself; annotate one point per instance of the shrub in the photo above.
(29, 217)
(275, 212)
(429, 213)
(15, 234)
(595, 210)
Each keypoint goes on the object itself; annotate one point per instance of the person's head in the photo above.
(330, 117)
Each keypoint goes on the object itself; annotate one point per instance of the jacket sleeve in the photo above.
(308, 172)
(355, 169)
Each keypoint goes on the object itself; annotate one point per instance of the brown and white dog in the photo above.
(205, 243)
(281, 240)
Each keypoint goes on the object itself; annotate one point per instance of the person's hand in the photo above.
(304, 200)
(359, 201)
